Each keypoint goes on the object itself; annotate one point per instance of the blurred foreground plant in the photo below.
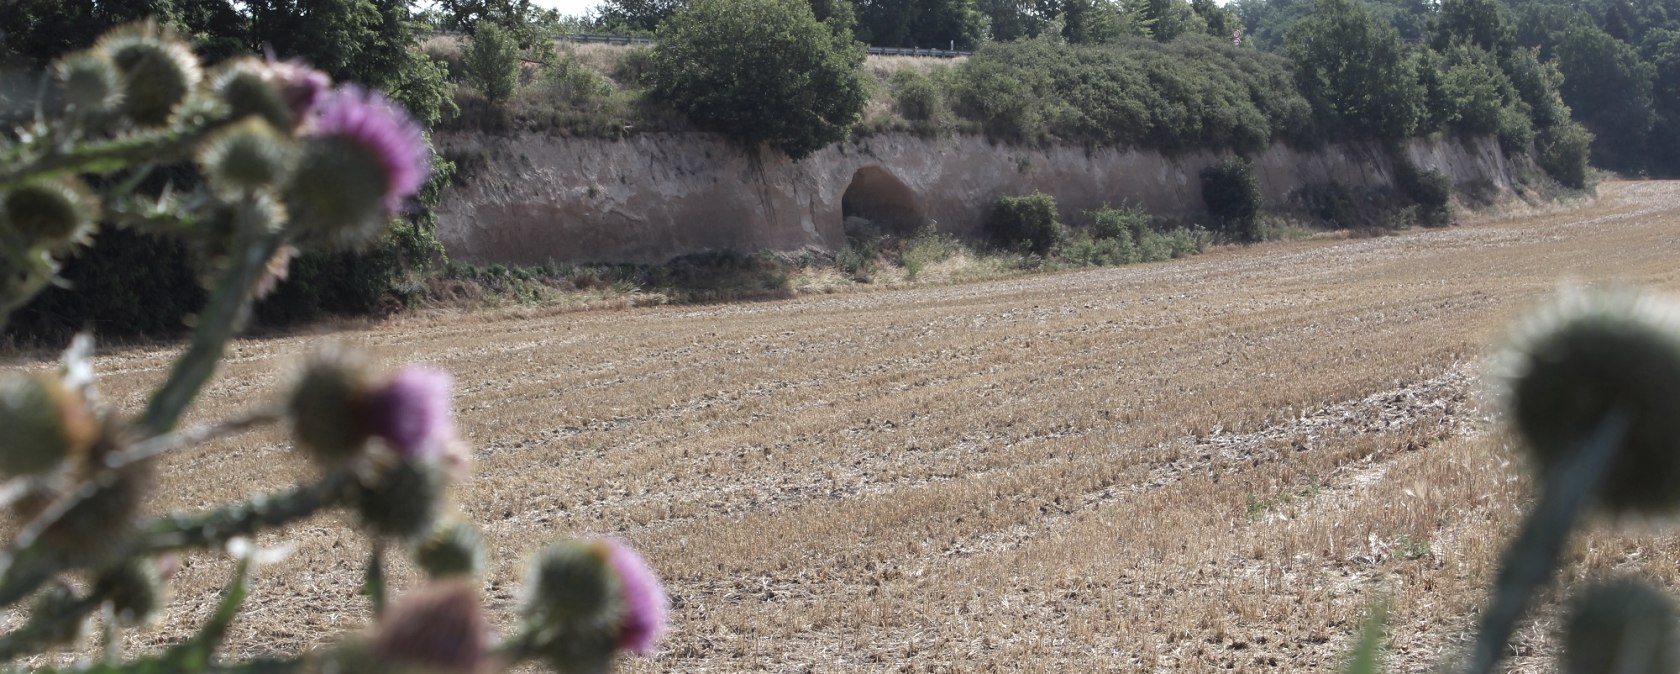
(1591, 383)
(284, 162)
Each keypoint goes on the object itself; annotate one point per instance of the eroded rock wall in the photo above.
(532, 198)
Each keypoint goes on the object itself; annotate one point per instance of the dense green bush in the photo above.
(1196, 92)
(1232, 195)
(129, 284)
(761, 71)
(1125, 222)
(1025, 223)
(918, 96)
(1563, 152)
(492, 63)
(1429, 189)
(1085, 250)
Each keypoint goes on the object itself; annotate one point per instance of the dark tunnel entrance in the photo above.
(876, 203)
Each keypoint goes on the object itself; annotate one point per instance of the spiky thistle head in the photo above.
(401, 500)
(245, 158)
(455, 549)
(439, 629)
(1586, 355)
(158, 71)
(594, 596)
(135, 588)
(283, 93)
(52, 212)
(570, 584)
(46, 424)
(88, 81)
(85, 533)
(1620, 625)
(58, 599)
(328, 406)
(362, 158)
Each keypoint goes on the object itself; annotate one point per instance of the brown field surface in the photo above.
(1213, 464)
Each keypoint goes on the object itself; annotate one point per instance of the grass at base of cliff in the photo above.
(927, 258)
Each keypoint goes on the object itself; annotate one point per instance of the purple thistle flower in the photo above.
(411, 413)
(301, 86)
(643, 599)
(384, 130)
(440, 628)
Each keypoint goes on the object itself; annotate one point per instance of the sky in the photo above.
(569, 7)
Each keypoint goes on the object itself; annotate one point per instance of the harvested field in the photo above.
(1213, 464)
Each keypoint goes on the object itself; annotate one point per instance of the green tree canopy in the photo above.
(1609, 87)
(1355, 72)
(761, 71)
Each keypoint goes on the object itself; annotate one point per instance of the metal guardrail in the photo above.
(878, 51)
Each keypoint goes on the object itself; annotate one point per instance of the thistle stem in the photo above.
(108, 156)
(147, 449)
(38, 632)
(216, 326)
(215, 527)
(1532, 558)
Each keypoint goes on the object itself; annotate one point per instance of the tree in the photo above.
(1662, 49)
(1168, 19)
(919, 23)
(640, 16)
(761, 72)
(33, 32)
(1609, 87)
(1008, 20)
(1355, 72)
(1477, 22)
(492, 62)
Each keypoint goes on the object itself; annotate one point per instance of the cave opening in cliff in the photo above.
(877, 203)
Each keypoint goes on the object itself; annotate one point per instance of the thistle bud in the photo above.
(58, 599)
(1620, 626)
(281, 93)
(590, 599)
(45, 424)
(1589, 355)
(88, 82)
(86, 531)
(570, 586)
(328, 408)
(158, 70)
(439, 629)
(134, 588)
(454, 549)
(402, 501)
(245, 158)
(363, 157)
(54, 213)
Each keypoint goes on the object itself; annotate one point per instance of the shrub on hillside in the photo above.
(1563, 150)
(1232, 194)
(1429, 189)
(1026, 223)
(1124, 226)
(917, 96)
(761, 71)
(1195, 92)
(492, 63)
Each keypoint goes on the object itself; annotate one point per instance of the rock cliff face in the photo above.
(532, 198)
